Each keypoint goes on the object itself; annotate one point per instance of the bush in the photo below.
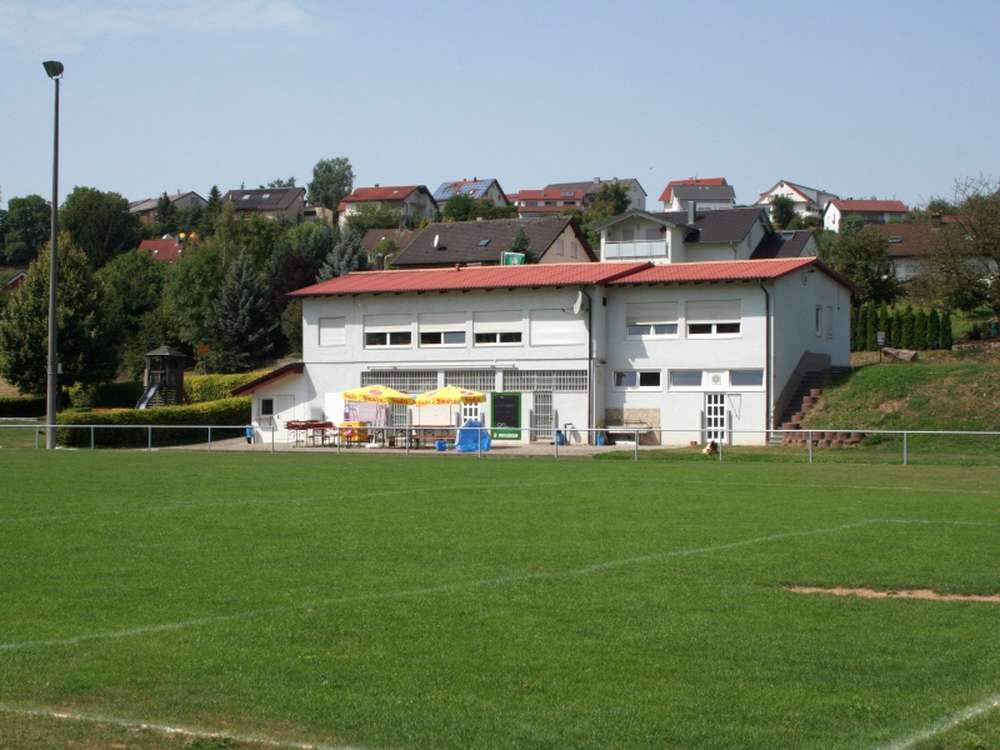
(201, 388)
(105, 395)
(230, 411)
(22, 406)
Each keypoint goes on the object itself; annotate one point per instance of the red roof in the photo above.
(558, 274)
(668, 192)
(875, 207)
(165, 250)
(551, 194)
(293, 368)
(725, 270)
(471, 277)
(381, 193)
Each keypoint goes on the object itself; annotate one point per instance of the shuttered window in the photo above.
(384, 331)
(442, 329)
(713, 318)
(556, 328)
(332, 332)
(651, 320)
(497, 328)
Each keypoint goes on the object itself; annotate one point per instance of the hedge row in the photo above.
(904, 328)
(201, 388)
(230, 411)
(22, 406)
(105, 396)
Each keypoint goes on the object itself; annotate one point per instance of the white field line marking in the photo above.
(828, 486)
(168, 729)
(966, 714)
(286, 500)
(430, 590)
(930, 521)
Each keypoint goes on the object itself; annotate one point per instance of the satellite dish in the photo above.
(578, 305)
(437, 239)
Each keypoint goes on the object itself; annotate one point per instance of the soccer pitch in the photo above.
(175, 599)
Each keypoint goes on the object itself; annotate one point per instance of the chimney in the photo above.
(692, 211)
(376, 184)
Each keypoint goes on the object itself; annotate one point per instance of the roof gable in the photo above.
(475, 188)
(385, 193)
(264, 199)
(668, 192)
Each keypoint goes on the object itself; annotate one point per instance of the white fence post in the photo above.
(906, 449)
(91, 437)
(809, 439)
(149, 441)
(635, 447)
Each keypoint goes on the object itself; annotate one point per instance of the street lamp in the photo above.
(54, 70)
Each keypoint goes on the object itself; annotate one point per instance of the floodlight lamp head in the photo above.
(53, 68)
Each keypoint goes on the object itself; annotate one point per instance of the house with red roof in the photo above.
(707, 193)
(413, 203)
(808, 201)
(870, 211)
(166, 249)
(684, 351)
(533, 204)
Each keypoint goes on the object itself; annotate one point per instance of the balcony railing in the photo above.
(635, 249)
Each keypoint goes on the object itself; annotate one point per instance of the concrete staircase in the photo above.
(806, 396)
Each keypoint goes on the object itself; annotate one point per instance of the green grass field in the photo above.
(390, 602)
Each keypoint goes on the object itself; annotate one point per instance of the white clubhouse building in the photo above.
(641, 341)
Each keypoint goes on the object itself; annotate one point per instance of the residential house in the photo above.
(286, 203)
(709, 350)
(413, 203)
(319, 215)
(371, 239)
(807, 201)
(555, 239)
(145, 209)
(166, 249)
(591, 188)
(533, 204)
(869, 211)
(709, 193)
(692, 236)
(475, 188)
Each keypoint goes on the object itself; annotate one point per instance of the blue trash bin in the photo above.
(440, 446)
(560, 438)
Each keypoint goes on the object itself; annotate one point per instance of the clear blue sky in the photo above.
(893, 99)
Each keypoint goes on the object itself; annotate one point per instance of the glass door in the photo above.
(715, 417)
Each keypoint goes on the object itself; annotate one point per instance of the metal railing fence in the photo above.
(410, 439)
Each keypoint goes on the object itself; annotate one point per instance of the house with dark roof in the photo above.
(553, 239)
(272, 203)
(869, 211)
(371, 240)
(667, 237)
(910, 245)
(413, 203)
(807, 201)
(708, 193)
(145, 210)
(477, 188)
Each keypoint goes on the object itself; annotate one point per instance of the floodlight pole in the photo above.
(54, 70)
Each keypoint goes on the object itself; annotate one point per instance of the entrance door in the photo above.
(542, 416)
(715, 417)
(505, 416)
(470, 411)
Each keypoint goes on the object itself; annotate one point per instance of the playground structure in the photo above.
(163, 380)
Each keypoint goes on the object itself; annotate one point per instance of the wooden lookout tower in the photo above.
(163, 382)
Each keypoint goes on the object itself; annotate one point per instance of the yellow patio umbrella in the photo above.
(450, 394)
(377, 394)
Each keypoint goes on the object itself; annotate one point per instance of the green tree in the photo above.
(211, 214)
(933, 330)
(257, 237)
(281, 182)
(26, 229)
(132, 285)
(370, 216)
(192, 288)
(384, 253)
(947, 339)
(854, 328)
(863, 257)
(347, 255)
(920, 330)
(243, 329)
(871, 328)
(907, 337)
(166, 216)
(462, 207)
(291, 326)
(333, 180)
(782, 211)
(611, 200)
(99, 224)
(897, 327)
(86, 351)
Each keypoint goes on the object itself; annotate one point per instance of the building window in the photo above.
(267, 407)
(442, 329)
(829, 321)
(746, 378)
(651, 320)
(685, 378)
(332, 332)
(818, 320)
(388, 331)
(718, 318)
(637, 380)
(497, 328)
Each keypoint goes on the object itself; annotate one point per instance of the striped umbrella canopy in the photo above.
(450, 394)
(377, 394)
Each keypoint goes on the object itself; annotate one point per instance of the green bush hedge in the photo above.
(230, 411)
(105, 396)
(201, 388)
(22, 406)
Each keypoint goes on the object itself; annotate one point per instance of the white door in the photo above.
(715, 417)
(470, 411)
(284, 410)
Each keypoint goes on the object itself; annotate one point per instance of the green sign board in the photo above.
(505, 416)
(512, 259)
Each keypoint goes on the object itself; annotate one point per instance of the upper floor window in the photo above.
(713, 318)
(637, 380)
(442, 329)
(332, 332)
(651, 320)
(388, 331)
(497, 328)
